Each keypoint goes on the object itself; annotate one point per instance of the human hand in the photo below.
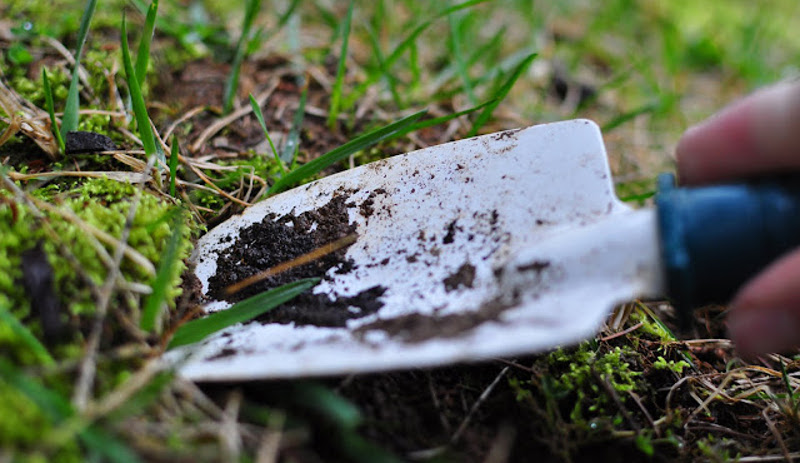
(757, 135)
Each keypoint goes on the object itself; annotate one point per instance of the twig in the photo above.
(514, 364)
(118, 176)
(623, 332)
(713, 427)
(225, 121)
(716, 391)
(756, 459)
(437, 404)
(482, 398)
(219, 190)
(270, 443)
(186, 116)
(777, 435)
(229, 433)
(123, 393)
(649, 418)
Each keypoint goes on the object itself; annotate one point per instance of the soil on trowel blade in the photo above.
(276, 240)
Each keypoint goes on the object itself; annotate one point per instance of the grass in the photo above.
(341, 68)
(339, 153)
(260, 116)
(69, 122)
(232, 83)
(403, 75)
(137, 100)
(248, 309)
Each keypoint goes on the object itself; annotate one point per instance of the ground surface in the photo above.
(78, 381)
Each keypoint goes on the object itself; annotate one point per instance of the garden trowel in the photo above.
(495, 246)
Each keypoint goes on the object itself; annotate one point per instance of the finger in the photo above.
(759, 134)
(765, 314)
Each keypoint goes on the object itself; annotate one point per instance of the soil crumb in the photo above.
(275, 240)
(464, 276)
(88, 142)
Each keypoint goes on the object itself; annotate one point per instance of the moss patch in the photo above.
(100, 204)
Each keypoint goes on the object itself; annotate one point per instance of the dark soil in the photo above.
(88, 142)
(416, 327)
(464, 276)
(276, 240)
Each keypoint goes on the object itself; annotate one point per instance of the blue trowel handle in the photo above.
(714, 238)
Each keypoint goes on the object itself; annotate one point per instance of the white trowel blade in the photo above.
(499, 245)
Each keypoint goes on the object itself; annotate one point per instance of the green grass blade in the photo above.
(54, 406)
(332, 406)
(105, 445)
(442, 119)
(143, 54)
(197, 330)
(293, 139)
(139, 108)
(164, 276)
(337, 154)
(408, 43)
(48, 97)
(457, 54)
(287, 14)
(58, 410)
(260, 117)
(414, 67)
(630, 115)
(501, 93)
(83, 30)
(24, 335)
(336, 93)
(378, 54)
(232, 82)
(412, 37)
(173, 165)
(638, 198)
(69, 122)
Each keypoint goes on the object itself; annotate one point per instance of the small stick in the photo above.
(484, 395)
(211, 130)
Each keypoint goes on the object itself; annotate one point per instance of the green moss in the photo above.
(662, 364)
(578, 373)
(103, 204)
(654, 329)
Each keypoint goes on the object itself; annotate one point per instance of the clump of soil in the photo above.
(276, 240)
(464, 276)
(415, 327)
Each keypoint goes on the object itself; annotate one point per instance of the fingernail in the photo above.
(757, 332)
